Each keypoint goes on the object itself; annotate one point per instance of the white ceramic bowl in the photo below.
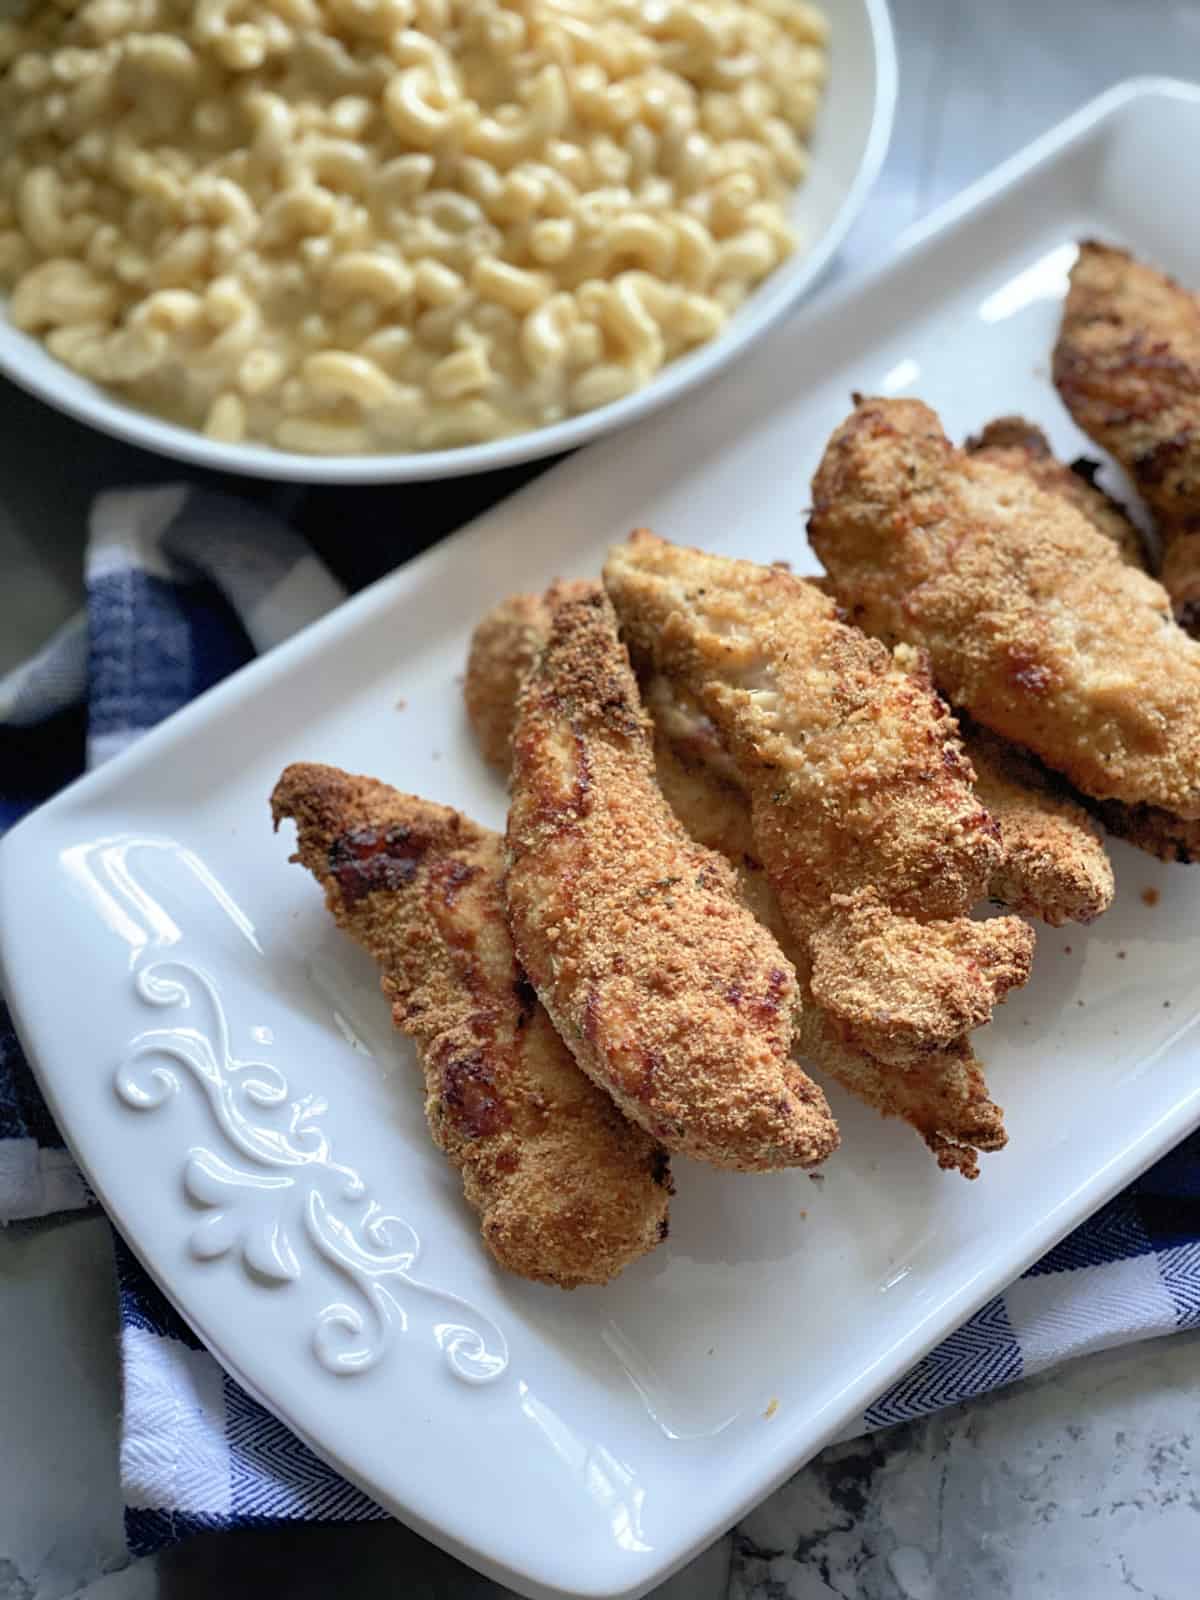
(847, 152)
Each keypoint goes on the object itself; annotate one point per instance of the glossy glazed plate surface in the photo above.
(847, 151)
(222, 1062)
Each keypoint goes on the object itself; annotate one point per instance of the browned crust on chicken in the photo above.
(943, 1096)
(568, 1191)
(503, 648)
(1127, 365)
(1055, 865)
(822, 718)
(1054, 871)
(1033, 623)
(669, 992)
(863, 811)
(1023, 447)
(1156, 832)
(941, 979)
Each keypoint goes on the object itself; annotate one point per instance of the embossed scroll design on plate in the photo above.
(276, 1192)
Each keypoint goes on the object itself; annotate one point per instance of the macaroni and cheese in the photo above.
(361, 225)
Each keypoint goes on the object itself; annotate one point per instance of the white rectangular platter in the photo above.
(153, 933)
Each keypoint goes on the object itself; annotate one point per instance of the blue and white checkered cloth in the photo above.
(182, 587)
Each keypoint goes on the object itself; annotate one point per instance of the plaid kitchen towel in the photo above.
(182, 587)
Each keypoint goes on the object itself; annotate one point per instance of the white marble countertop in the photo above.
(1083, 1484)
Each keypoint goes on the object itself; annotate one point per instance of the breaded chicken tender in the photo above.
(861, 800)
(673, 998)
(1033, 623)
(568, 1191)
(1023, 447)
(1054, 864)
(504, 646)
(1062, 867)
(937, 980)
(944, 1097)
(1127, 365)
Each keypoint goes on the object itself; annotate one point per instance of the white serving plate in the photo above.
(848, 147)
(616, 1431)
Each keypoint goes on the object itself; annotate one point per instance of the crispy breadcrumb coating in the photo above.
(568, 1191)
(862, 806)
(1127, 365)
(669, 992)
(820, 717)
(941, 980)
(503, 648)
(1054, 865)
(944, 1097)
(1033, 623)
(1062, 862)
(1023, 447)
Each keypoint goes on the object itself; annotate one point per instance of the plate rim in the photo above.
(776, 1461)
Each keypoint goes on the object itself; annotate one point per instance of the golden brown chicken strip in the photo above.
(503, 648)
(1054, 864)
(939, 980)
(944, 1096)
(669, 992)
(1032, 622)
(1023, 447)
(1017, 444)
(569, 1192)
(862, 806)
(1127, 365)
(806, 701)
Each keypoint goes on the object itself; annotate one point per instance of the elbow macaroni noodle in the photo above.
(362, 225)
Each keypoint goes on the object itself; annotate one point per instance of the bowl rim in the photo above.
(75, 397)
